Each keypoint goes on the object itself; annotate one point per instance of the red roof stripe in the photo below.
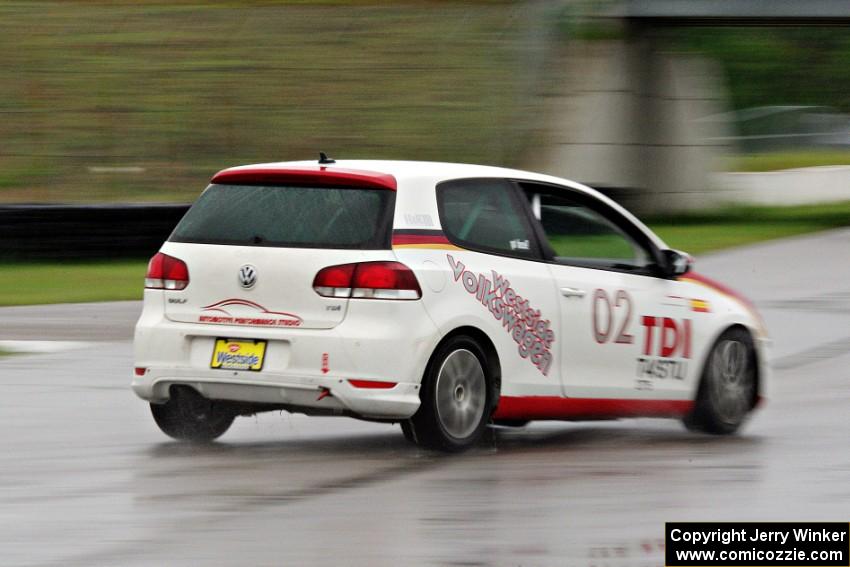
(321, 176)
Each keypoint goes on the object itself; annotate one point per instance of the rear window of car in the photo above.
(292, 217)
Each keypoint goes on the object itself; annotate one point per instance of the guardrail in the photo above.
(77, 232)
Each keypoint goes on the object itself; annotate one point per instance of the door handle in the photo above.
(572, 292)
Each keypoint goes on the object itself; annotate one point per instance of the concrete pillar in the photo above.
(630, 119)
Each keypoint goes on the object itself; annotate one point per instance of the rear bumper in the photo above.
(325, 395)
(385, 341)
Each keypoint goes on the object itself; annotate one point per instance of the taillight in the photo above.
(368, 280)
(166, 272)
(334, 281)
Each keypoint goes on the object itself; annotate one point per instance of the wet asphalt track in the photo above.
(87, 479)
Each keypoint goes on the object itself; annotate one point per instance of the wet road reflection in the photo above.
(86, 478)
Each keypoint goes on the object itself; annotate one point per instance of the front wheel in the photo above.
(457, 399)
(727, 390)
(188, 416)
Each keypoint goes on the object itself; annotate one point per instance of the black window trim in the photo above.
(609, 213)
(517, 201)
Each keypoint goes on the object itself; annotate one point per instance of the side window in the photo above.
(581, 235)
(482, 214)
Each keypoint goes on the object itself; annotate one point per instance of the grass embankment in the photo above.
(698, 233)
(143, 101)
(36, 283)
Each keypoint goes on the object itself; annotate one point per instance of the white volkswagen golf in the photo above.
(443, 297)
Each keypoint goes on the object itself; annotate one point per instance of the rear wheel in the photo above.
(457, 399)
(727, 389)
(188, 416)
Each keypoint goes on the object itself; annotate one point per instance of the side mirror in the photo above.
(676, 263)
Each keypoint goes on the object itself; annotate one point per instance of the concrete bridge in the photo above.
(631, 119)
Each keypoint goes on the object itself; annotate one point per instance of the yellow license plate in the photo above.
(238, 354)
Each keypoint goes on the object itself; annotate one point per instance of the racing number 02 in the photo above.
(622, 304)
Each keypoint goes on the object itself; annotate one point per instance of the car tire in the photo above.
(188, 416)
(728, 386)
(457, 398)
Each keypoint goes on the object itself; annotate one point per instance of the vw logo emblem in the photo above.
(247, 276)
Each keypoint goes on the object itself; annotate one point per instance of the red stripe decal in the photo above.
(552, 407)
(307, 175)
(719, 287)
(373, 384)
(419, 239)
